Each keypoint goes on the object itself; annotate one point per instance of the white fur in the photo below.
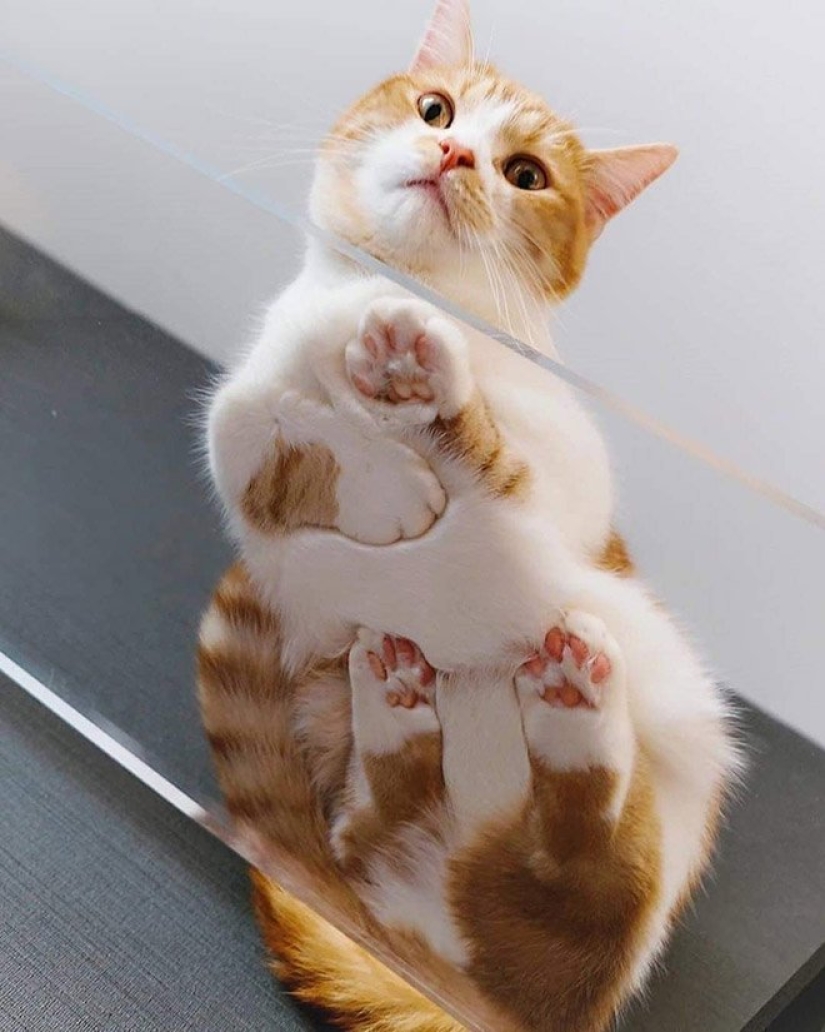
(485, 763)
(488, 574)
(415, 896)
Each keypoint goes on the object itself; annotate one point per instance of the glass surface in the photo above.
(701, 306)
(113, 547)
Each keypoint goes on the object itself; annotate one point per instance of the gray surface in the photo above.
(109, 549)
(118, 914)
(755, 936)
(807, 1012)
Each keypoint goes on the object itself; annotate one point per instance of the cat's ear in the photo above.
(618, 176)
(448, 39)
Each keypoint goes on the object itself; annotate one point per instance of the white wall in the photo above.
(703, 305)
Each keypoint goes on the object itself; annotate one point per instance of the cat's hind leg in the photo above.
(395, 767)
(573, 700)
(392, 836)
(560, 905)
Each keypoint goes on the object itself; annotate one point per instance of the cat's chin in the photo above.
(421, 238)
(432, 196)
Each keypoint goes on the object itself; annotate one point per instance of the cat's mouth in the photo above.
(432, 187)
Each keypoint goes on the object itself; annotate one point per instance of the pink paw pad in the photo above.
(412, 676)
(392, 372)
(401, 355)
(566, 672)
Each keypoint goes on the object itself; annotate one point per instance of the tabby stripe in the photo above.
(239, 745)
(252, 806)
(244, 611)
(232, 671)
(295, 487)
(473, 437)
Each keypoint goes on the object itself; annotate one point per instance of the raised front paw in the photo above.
(386, 493)
(409, 358)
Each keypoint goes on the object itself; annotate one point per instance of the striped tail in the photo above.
(326, 969)
(247, 703)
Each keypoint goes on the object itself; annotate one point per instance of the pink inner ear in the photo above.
(618, 176)
(448, 39)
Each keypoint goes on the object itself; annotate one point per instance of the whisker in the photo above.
(264, 163)
(489, 43)
(488, 273)
(518, 291)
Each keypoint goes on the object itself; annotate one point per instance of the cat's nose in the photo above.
(455, 156)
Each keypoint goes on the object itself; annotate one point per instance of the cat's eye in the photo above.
(526, 174)
(436, 109)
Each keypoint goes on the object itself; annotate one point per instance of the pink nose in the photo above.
(456, 156)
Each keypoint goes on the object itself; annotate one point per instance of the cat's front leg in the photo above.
(283, 462)
(410, 367)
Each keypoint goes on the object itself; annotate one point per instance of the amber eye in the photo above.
(526, 174)
(436, 109)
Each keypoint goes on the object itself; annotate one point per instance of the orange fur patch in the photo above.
(556, 905)
(615, 557)
(474, 438)
(405, 786)
(296, 487)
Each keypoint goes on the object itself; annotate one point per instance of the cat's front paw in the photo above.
(410, 361)
(386, 493)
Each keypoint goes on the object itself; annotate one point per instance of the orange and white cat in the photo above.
(435, 678)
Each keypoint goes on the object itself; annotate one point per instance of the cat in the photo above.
(433, 677)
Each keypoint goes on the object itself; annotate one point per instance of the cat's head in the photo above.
(452, 172)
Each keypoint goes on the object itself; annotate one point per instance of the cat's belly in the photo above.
(484, 577)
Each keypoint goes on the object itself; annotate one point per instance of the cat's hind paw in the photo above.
(574, 665)
(572, 695)
(393, 689)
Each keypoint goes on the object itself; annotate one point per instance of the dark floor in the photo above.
(117, 912)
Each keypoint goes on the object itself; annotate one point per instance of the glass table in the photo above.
(165, 172)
